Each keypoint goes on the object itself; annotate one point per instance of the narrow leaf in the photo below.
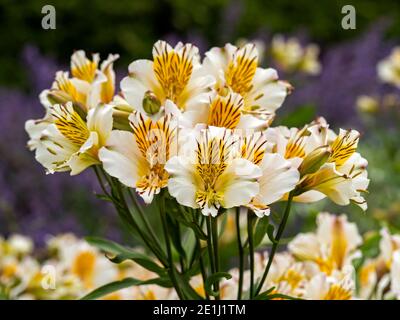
(122, 284)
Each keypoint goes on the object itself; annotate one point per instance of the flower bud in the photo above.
(314, 160)
(58, 97)
(151, 104)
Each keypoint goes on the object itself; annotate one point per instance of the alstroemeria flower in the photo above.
(389, 68)
(286, 275)
(379, 278)
(338, 286)
(210, 176)
(220, 111)
(332, 247)
(174, 74)
(278, 176)
(81, 260)
(70, 142)
(328, 163)
(137, 159)
(236, 70)
(89, 85)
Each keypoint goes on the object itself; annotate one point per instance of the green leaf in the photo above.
(298, 117)
(268, 295)
(370, 246)
(122, 284)
(103, 197)
(198, 231)
(195, 268)
(260, 231)
(107, 245)
(188, 291)
(270, 233)
(175, 236)
(213, 279)
(121, 254)
(264, 294)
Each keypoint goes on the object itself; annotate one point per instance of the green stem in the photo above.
(142, 215)
(276, 241)
(156, 250)
(96, 170)
(210, 245)
(214, 227)
(171, 269)
(241, 254)
(202, 268)
(181, 261)
(250, 222)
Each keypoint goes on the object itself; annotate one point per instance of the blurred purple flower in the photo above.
(348, 71)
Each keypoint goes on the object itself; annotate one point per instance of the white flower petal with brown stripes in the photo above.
(68, 142)
(217, 177)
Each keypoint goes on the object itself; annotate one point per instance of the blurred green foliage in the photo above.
(131, 27)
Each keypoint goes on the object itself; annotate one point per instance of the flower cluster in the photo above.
(67, 268)
(317, 265)
(201, 129)
(193, 138)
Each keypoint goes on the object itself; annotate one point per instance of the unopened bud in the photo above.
(58, 97)
(151, 104)
(314, 160)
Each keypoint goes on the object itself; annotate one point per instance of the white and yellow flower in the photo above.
(174, 74)
(332, 247)
(138, 159)
(89, 85)
(286, 275)
(236, 69)
(16, 245)
(291, 56)
(278, 176)
(389, 68)
(337, 286)
(328, 163)
(70, 142)
(77, 258)
(211, 175)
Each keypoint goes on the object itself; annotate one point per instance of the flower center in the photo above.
(337, 292)
(173, 71)
(71, 125)
(83, 267)
(343, 148)
(241, 70)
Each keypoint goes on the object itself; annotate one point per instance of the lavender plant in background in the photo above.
(348, 71)
(30, 202)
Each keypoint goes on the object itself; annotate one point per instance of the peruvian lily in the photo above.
(332, 247)
(278, 176)
(236, 69)
(70, 142)
(210, 176)
(328, 163)
(338, 286)
(138, 159)
(89, 85)
(174, 74)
